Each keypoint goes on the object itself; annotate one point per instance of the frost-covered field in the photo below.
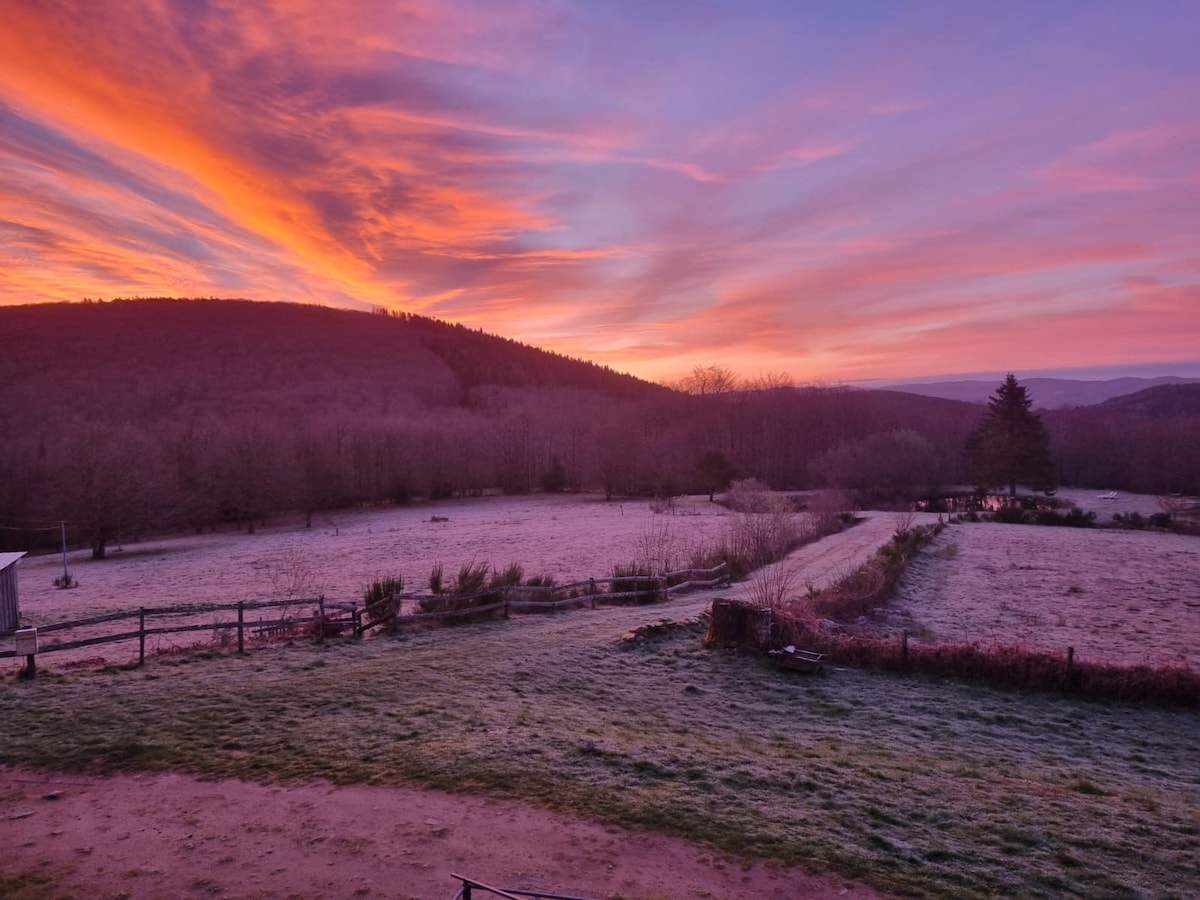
(1121, 596)
(1127, 597)
(566, 537)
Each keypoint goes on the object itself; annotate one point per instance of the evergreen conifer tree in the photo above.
(1010, 444)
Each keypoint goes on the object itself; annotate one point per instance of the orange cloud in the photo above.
(655, 194)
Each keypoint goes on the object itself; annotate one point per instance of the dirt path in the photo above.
(171, 836)
(823, 562)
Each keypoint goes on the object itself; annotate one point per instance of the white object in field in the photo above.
(26, 641)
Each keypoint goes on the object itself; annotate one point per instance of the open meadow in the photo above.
(905, 784)
(1123, 597)
(567, 537)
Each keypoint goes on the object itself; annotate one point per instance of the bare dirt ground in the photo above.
(175, 836)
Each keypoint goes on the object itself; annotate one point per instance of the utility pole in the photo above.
(66, 574)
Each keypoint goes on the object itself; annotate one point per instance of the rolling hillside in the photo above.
(146, 360)
(1158, 402)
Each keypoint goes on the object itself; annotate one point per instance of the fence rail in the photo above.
(239, 625)
(329, 618)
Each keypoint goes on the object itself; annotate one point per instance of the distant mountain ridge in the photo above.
(1158, 402)
(1047, 393)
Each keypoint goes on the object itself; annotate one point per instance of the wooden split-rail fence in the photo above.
(237, 622)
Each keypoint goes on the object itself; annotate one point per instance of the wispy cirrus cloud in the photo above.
(841, 192)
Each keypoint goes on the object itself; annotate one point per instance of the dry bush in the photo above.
(774, 585)
(507, 577)
(766, 530)
(471, 578)
(377, 596)
(827, 508)
(852, 595)
(656, 547)
(291, 574)
(748, 495)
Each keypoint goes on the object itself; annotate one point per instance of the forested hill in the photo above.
(1158, 402)
(146, 359)
(130, 417)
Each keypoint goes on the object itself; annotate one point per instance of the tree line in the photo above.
(124, 419)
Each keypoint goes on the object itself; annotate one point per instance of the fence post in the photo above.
(1070, 668)
(141, 636)
(904, 651)
(241, 622)
(321, 619)
(592, 591)
(356, 620)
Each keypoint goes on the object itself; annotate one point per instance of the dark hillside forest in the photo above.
(128, 417)
(1148, 441)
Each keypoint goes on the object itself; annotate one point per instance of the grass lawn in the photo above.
(907, 784)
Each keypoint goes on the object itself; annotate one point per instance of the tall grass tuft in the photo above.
(377, 595)
(507, 577)
(472, 577)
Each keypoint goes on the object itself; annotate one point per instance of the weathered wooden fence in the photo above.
(324, 618)
(591, 592)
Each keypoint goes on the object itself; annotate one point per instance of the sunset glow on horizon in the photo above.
(838, 191)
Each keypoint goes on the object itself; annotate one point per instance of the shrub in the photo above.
(1010, 515)
(507, 577)
(765, 533)
(1077, 518)
(472, 577)
(656, 550)
(853, 595)
(435, 578)
(773, 585)
(377, 594)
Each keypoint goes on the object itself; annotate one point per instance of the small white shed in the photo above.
(10, 612)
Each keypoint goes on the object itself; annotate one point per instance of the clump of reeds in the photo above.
(377, 595)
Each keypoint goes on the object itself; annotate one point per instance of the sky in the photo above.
(836, 191)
